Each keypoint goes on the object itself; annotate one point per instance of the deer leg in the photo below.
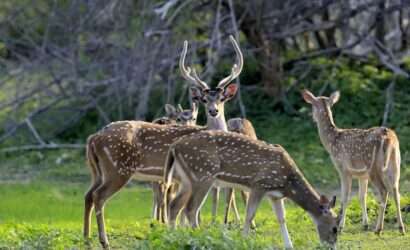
(199, 193)
(280, 211)
(230, 201)
(383, 195)
(179, 202)
(163, 206)
(183, 219)
(346, 188)
(363, 183)
(393, 174)
(245, 198)
(215, 201)
(393, 185)
(168, 193)
(88, 207)
(157, 195)
(396, 196)
(235, 208)
(100, 196)
(255, 198)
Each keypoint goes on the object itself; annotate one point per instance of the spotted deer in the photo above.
(134, 149)
(208, 158)
(242, 126)
(366, 154)
(214, 100)
(174, 115)
(178, 115)
(245, 127)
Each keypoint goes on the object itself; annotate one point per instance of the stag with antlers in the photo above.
(135, 149)
(214, 100)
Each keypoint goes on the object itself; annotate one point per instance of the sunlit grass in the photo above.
(49, 216)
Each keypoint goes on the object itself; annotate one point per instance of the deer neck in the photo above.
(303, 194)
(217, 123)
(327, 129)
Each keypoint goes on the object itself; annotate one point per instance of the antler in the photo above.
(236, 68)
(186, 72)
(180, 109)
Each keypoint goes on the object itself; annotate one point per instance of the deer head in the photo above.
(321, 105)
(327, 221)
(212, 98)
(242, 126)
(182, 116)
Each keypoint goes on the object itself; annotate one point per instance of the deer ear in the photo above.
(324, 204)
(334, 97)
(323, 200)
(179, 108)
(196, 94)
(230, 91)
(170, 110)
(194, 108)
(308, 96)
(332, 203)
(338, 218)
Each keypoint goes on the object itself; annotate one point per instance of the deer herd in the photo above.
(185, 162)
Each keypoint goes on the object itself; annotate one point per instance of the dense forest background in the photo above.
(67, 68)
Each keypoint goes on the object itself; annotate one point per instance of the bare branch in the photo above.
(42, 147)
(34, 131)
(388, 108)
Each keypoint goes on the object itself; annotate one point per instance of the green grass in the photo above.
(48, 215)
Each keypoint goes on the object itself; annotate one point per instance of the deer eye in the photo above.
(204, 100)
(334, 230)
(178, 119)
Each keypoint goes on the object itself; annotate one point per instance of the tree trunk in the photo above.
(268, 56)
(330, 33)
(380, 30)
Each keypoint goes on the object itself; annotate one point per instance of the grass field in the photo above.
(48, 215)
(41, 205)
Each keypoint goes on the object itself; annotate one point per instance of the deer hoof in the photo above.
(402, 230)
(378, 232)
(105, 245)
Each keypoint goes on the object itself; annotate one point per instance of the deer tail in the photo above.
(387, 148)
(92, 160)
(169, 167)
(168, 174)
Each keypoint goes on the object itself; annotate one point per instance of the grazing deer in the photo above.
(178, 115)
(209, 158)
(135, 149)
(367, 154)
(174, 115)
(214, 100)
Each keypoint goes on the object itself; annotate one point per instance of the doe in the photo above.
(232, 160)
(367, 154)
